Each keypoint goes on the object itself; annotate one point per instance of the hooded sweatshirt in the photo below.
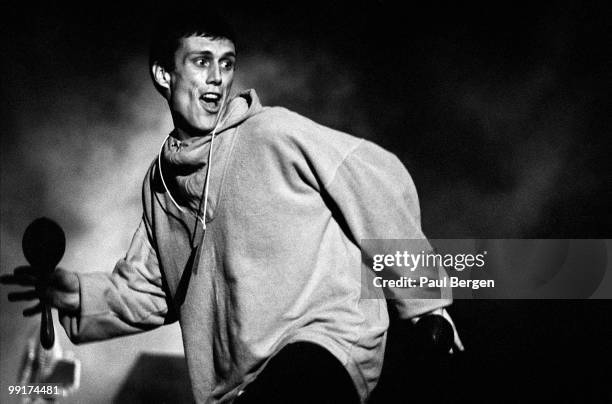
(288, 204)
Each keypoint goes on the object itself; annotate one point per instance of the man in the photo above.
(250, 238)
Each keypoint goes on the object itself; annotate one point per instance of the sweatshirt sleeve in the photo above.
(129, 300)
(377, 199)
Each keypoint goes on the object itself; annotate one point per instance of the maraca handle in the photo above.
(47, 333)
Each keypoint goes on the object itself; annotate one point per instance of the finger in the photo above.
(458, 343)
(26, 270)
(32, 310)
(456, 340)
(20, 296)
(17, 280)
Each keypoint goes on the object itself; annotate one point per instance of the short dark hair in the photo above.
(183, 22)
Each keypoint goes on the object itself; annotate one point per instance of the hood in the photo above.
(184, 162)
(194, 151)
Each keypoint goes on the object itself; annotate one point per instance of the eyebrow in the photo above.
(209, 53)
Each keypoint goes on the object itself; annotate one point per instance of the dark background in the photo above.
(498, 110)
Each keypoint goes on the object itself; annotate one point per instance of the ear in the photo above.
(161, 77)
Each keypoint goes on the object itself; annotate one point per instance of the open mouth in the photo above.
(211, 102)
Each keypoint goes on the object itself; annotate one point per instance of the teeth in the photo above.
(211, 97)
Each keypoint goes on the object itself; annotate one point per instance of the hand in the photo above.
(457, 344)
(59, 289)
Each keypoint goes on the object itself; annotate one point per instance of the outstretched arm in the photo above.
(98, 305)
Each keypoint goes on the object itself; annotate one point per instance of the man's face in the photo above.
(203, 74)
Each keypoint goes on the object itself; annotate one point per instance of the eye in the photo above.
(203, 62)
(227, 65)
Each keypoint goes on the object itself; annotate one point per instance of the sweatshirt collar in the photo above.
(193, 151)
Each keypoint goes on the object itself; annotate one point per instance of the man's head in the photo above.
(192, 61)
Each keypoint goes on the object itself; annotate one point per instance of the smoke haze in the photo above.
(497, 112)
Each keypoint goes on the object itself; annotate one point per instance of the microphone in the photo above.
(43, 245)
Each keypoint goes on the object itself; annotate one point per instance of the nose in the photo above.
(214, 75)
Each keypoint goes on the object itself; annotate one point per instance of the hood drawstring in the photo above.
(218, 124)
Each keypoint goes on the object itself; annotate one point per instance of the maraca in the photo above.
(43, 245)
